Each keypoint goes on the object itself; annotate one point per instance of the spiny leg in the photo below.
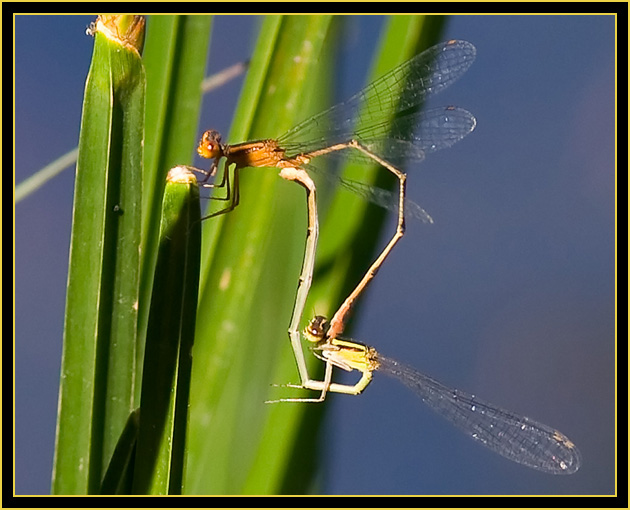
(225, 180)
(343, 354)
(232, 194)
(325, 385)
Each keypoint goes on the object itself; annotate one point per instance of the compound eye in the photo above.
(210, 145)
(317, 328)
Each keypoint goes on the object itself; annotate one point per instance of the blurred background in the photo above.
(510, 295)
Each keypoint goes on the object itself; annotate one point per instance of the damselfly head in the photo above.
(210, 145)
(316, 329)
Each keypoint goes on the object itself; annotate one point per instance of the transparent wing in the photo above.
(434, 130)
(397, 95)
(517, 438)
(437, 129)
(386, 199)
(381, 197)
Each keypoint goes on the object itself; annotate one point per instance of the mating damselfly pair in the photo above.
(384, 124)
